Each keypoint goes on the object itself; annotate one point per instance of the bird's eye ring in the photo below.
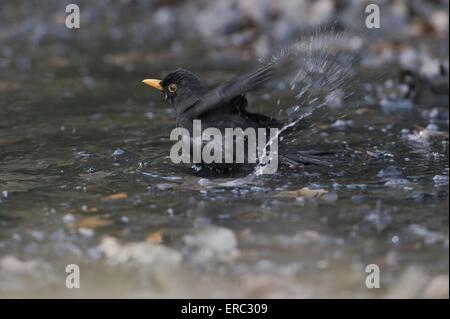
(172, 88)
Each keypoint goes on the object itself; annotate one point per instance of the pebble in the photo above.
(390, 171)
(68, 219)
(440, 180)
(164, 186)
(212, 244)
(396, 182)
(138, 254)
(118, 152)
(437, 288)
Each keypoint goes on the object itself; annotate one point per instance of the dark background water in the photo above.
(77, 126)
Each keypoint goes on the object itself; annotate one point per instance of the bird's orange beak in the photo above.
(154, 83)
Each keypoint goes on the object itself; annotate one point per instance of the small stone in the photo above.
(212, 244)
(38, 235)
(330, 197)
(342, 123)
(115, 196)
(68, 219)
(92, 222)
(164, 186)
(150, 115)
(11, 264)
(440, 21)
(300, 200)
(390, 171)
(86, 232)
(118, 152)
(437, 288)
(440, 180)
(140, 253)
(397, 182)
(303, 192)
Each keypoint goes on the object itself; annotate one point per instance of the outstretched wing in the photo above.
(224, 93)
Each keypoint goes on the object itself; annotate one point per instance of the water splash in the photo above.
(323, 76)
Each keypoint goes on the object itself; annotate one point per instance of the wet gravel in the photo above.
(85, 176)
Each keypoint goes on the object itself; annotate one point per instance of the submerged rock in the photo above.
(165, 186)
(437, 288)
(138, 254)
(212, 244)
(390, 171)
(118, 152)
(11, 264)
(440, 180)
(397, 182)
(430, 237)
(379, 218)
(409, 285)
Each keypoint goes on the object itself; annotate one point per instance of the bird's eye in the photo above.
(172, 88)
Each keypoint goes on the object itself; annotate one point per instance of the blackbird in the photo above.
(225, 106)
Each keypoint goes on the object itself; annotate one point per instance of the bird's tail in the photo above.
(306, 158)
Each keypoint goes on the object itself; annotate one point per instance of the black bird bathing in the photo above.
(226, 107)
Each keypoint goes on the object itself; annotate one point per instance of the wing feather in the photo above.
(224, 93)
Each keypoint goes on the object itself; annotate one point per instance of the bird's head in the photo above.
(181, 87)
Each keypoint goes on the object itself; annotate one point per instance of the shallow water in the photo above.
(70, 138)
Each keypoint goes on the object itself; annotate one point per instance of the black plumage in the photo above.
(225, 106)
